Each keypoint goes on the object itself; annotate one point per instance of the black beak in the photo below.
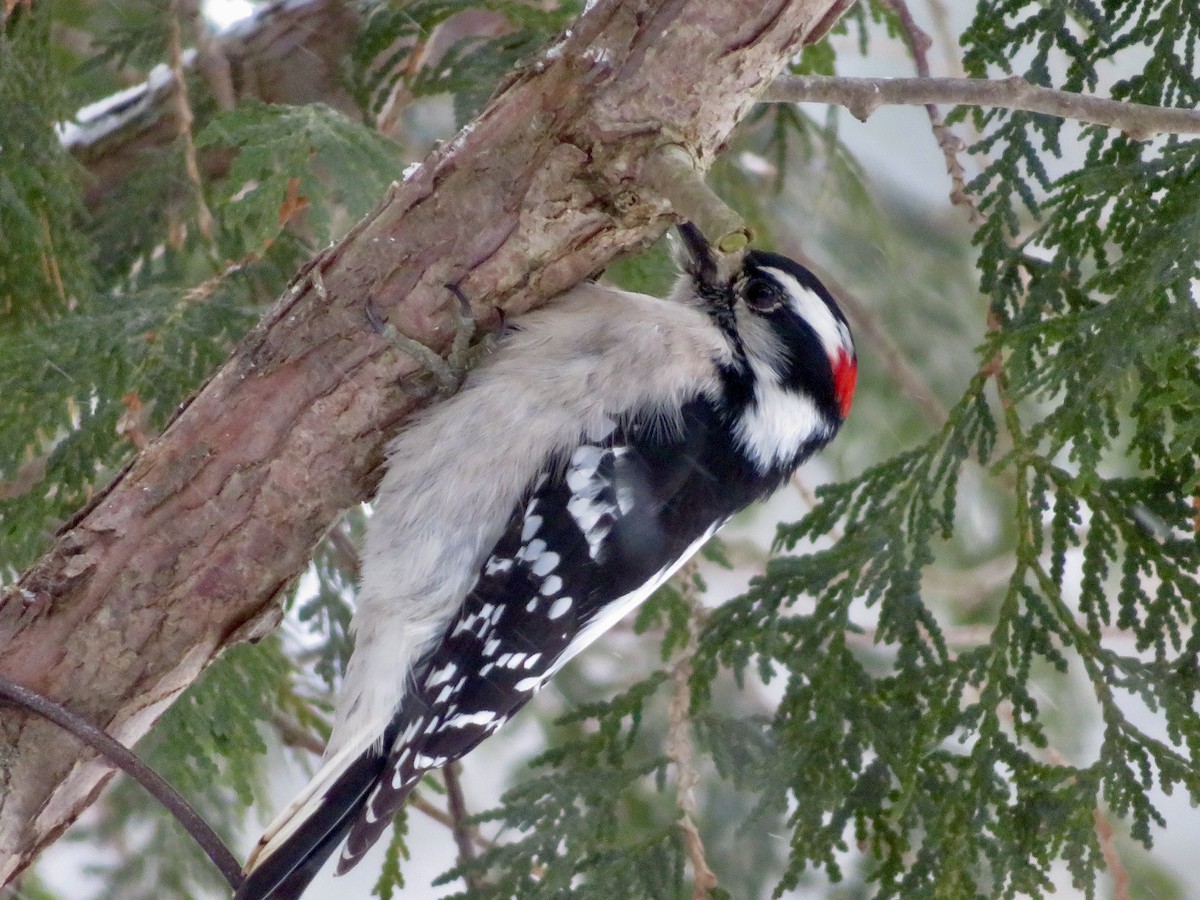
(698, 258)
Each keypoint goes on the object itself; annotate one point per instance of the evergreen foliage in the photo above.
(43, 260)
(877, 714)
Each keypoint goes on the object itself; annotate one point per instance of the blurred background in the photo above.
(866, 204)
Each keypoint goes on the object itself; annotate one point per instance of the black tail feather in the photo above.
(286, 873)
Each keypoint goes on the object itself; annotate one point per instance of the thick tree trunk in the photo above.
(191, 547)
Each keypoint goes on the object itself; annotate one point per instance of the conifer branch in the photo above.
(287, 53)
(295, 735)
(993, 368)
(391, 74)
(129, 763)
(421, 805)
(862, 96)
(1105, 834)
(679, 748)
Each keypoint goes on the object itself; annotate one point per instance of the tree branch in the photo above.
(862, 96)
(672, 173)
(1112, 858)
(189, 549)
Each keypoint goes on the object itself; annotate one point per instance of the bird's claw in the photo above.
(442, 376)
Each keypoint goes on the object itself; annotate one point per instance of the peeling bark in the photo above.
(191, 547)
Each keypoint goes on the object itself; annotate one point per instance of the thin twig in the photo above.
(183, 111)
(419, 803)
(862, 96)
(948, 142)
(1108, 847)
(128, 762)
(679, 747)
(456, 804)
(295, 735)
(50, 262)
(205, 289)
(948, 43)
(993, 366)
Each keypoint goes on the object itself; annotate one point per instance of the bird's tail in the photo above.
(295, 846)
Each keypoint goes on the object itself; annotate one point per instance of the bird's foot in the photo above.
(441, 376)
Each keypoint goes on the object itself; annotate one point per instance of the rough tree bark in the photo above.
(191, 547)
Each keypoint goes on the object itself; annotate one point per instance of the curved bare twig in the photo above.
(129, 763)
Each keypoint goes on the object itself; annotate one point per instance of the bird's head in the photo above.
(795, 355)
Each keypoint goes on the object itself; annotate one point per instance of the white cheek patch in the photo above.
(779, 422)
(830, 330)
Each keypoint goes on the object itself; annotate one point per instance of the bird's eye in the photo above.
(763, 296)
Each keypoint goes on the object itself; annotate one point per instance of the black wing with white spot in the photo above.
(590, 542)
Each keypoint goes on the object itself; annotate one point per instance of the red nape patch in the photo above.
(845, 373)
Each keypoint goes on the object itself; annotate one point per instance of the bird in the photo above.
(595, 449)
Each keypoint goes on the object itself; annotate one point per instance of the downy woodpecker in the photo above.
(595, 450)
